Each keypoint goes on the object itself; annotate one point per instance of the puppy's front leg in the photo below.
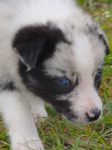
(20, 123)
(37, 109)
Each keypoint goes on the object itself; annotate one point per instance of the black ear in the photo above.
(107, 50)
(36, 42)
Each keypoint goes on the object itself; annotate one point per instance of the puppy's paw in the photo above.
(40, 114)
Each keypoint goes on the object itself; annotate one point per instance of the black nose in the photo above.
(96, 113)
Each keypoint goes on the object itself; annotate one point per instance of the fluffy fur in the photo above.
(42, 41)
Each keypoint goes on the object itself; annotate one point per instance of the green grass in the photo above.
(59, 134)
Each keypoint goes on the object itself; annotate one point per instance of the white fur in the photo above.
(19, 121)
(37, 108)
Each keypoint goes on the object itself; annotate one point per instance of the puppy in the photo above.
(53, 52)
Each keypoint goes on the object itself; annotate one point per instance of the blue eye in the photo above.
(63, 81)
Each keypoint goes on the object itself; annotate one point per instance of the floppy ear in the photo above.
(35, 42)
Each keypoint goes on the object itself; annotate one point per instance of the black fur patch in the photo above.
(46, 87)
(8, 86)
(35, 43)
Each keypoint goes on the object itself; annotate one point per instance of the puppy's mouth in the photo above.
(72, 117)
(75, 117)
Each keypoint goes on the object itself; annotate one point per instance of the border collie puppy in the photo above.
(50, 52)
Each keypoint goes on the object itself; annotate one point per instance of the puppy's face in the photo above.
(66, 74)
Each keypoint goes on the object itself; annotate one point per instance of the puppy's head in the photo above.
(64, 68)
